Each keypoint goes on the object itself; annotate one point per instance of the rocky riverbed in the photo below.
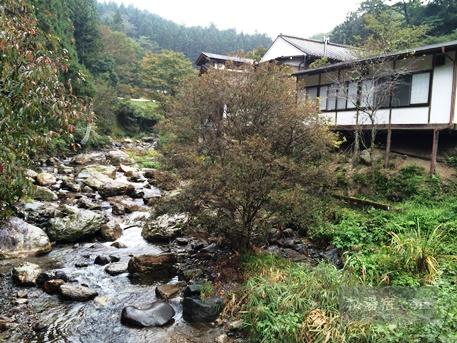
(75, 267)
(85, 261)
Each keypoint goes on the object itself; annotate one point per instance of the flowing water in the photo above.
(99, 320)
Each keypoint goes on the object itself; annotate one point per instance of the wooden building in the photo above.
(208, 60)
(299, 53)
(421, 97)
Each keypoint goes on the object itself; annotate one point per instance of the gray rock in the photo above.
(118, 157)
(31, 173)
(102, 260)
(77, 292)
(45, 179)
(83, 159)
(53, 286)
(20, 239)
(119, 245)
(44, 194)
(123, 204)
(26, 274)
(75, 225)
(111, 231)
(164, 228)
(158, 314)
(116, 268)
(199, 311)
(193, 290)
(116, 187)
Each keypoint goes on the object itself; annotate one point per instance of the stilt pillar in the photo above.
(434, 152)
(388, 144)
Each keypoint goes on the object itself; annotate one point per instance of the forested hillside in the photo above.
(154, 32)
(437, 18)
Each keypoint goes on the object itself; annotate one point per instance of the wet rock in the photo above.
(236, 325)
(332, 255)
(26, 274)
(114, 258)
(182, 241)
(19, 239)
(168, 291)
(123, 204)
(193, 290)
(111, 231)
(127, 170)
(116, 268)
(85, 202)
(116, 187)
(148, 193)
(212, 248)
(164, 228)
(75, 225)
(69, 183)
(63, 169)
(22, 293)
(118, 157)
(197, 310)
(158, 314)
(82, 264)
(102, 260)
(53, 286)
(21, 301)
(45, 179)
(59, 274)
(43, 277)
(83, 159)
(43, 194)
(119, 245)
(77, 292)
(156, 264)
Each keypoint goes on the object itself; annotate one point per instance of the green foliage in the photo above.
(207, 289)
(38, 105)
(138, 116)
(148, 159)
(399, 24)
(254, 164)
(165, 71)
(190, 41)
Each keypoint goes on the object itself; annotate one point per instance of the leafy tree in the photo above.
(35, 105)
(163, 72)
(253, 157)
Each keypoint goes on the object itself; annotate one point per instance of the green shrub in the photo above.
(138, 117)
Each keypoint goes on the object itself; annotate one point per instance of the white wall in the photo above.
(410, 115)
(442, 92)
(280, 48)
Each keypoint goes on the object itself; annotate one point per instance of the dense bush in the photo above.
(35, 106)
(254, 158)
(137, 117)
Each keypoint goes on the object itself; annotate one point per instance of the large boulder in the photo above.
(19, 239)
(156, 264)
(116, 268)
(158, 314)
(75, 224)
(77, 292)
(44, 194)
(116, 187)
(94, 179)
(164, 228)
(196, 310)
(26, 274)
(90, 170)
(111, 231)
(45, 179)
(118, 157)
(83, 159)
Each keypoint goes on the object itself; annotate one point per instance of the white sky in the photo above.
(301, 18)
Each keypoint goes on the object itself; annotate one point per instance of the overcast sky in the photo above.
(302, 18)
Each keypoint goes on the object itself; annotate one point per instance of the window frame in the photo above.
(359, 83)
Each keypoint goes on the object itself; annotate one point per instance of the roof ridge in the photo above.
(317, 41)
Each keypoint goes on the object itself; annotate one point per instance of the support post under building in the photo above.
(434, 151)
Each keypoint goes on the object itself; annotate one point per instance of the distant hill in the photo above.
(155, 32)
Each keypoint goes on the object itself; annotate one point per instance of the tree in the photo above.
(254, 158)
(35, 105)
(163, 72)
